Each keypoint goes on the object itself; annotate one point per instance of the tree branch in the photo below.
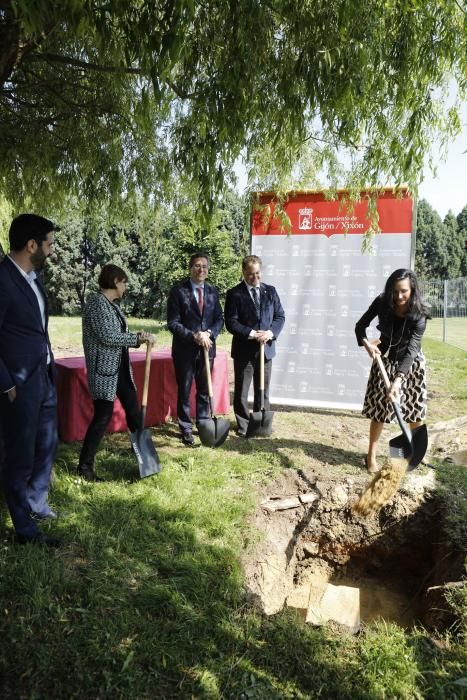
(70, 61)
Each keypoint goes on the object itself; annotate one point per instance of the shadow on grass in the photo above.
(318, 451)
(144, 602)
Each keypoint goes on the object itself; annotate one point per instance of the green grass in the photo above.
(65, 331)
(447, 380)
(147, 598)
(456, 331)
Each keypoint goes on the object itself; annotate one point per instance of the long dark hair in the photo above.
(417, 308)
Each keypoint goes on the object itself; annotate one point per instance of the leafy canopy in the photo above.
(111, 98)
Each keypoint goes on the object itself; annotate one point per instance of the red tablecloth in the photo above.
(75, 408)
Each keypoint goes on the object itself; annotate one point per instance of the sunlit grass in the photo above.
(452, 330)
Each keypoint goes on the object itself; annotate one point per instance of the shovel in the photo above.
(212, 431)
(260, 423)
(141, 441)
(411, 445)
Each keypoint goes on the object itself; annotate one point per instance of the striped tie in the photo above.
(255, 292)
(200, 299)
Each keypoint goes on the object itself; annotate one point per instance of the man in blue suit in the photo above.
(28, 405)
(254, 315)
(195, 319)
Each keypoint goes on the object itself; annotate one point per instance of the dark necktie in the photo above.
(255, 292)
(199, 291)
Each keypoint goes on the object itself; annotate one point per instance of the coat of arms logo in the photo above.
(305, 219)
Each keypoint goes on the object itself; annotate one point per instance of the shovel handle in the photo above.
(208, 372)
(395, 404)
(147, 370)
(261, 367)
(384, 374)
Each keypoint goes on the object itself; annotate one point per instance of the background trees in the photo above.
(441, 251)
(154, 249)
(111, 100)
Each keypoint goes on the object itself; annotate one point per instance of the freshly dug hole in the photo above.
(389, 560)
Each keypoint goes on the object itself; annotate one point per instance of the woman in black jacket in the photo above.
(401, 321)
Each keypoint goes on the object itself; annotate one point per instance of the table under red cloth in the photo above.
(75, 407)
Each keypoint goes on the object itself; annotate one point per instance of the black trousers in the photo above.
(103, 413)
(245, 370)
(29, 427)
(185, 372)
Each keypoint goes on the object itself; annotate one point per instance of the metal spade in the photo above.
(212, 431)
(141, 441)
(411, 445)
(260, 423)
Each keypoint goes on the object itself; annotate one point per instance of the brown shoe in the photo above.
(88, 473)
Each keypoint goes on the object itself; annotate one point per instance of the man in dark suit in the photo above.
(28, 405)
(254, 315)
(195, 319)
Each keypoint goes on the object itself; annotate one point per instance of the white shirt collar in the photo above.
(29, 276)
(197, 286)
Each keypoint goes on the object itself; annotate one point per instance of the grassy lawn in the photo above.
(147, 598)
(447, 380)
(456, 331)
(65, 333)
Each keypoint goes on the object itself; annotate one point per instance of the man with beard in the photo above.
(28, 404)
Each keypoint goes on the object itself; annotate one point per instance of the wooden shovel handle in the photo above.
(261, 366)
(147, 370)
(382, 369)
(208, 372)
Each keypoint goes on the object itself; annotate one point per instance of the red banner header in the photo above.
(312, 214)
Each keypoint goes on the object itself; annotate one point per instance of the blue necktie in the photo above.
(255, 292)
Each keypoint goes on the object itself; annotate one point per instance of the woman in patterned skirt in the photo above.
(401, 321)
(106, 341)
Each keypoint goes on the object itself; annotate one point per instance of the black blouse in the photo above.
(402, 336)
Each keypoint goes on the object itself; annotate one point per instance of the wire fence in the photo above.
(447, 303)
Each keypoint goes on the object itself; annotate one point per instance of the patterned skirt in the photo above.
(413, 393)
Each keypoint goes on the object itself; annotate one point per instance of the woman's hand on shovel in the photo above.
(372, 348)
(395, 389)
(145, 337)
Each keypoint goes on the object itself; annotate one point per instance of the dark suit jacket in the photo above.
(184, 319)
(23, 340)
(241, 318)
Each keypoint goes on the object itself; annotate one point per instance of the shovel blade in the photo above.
(400, 448)
(146, 455)
(413, 451)
(419, 446)
(213, 432)
(260, 424)
(254, 424)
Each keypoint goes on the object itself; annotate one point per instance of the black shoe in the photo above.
(88, 473)
(241, 433)
(51, 515)
(41, 540)
(188, 439)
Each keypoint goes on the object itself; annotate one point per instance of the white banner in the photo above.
(325, 284)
